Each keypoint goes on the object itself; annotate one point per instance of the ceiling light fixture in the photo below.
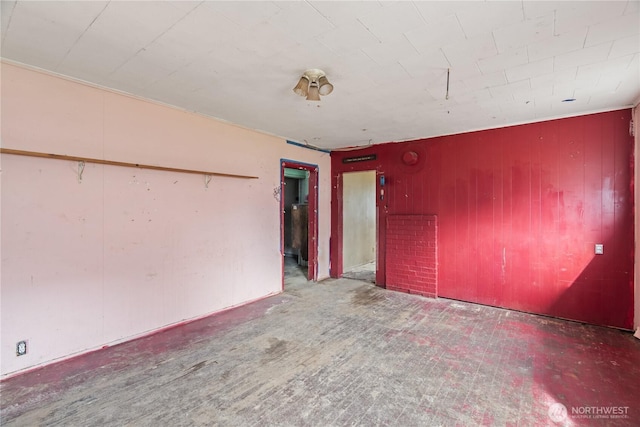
(312, 84)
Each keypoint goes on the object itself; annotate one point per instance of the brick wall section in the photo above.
(412, 254)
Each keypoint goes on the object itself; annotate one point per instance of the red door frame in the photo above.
(337, 265)
(313, 214)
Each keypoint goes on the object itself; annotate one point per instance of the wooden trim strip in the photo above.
(115, 163)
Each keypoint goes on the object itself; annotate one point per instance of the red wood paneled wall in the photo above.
(411, 254)
(519, 212)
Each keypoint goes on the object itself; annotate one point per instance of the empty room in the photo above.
(319, 213)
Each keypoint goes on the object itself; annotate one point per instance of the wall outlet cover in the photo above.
(599, 250)
(21, 348)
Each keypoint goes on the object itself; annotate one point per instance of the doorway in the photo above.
(359, 242)
(298, 222)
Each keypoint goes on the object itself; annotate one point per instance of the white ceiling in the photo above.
(510, 62)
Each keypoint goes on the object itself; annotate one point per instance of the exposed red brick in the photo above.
(412, 254)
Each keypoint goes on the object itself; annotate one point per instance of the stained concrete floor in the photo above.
(342, 352)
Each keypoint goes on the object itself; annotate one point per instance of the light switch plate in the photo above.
(599, 249)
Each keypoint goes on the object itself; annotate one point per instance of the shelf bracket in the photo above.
(80, 171)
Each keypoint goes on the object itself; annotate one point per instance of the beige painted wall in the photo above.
(128, 251)
(359, 218)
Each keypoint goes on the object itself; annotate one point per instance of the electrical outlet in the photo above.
(599, 250)
(21, 348)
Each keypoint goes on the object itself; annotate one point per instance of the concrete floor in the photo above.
(366, 273)
(342, 352)
(294, 274)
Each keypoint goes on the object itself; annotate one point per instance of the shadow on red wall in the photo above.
(602, 293)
